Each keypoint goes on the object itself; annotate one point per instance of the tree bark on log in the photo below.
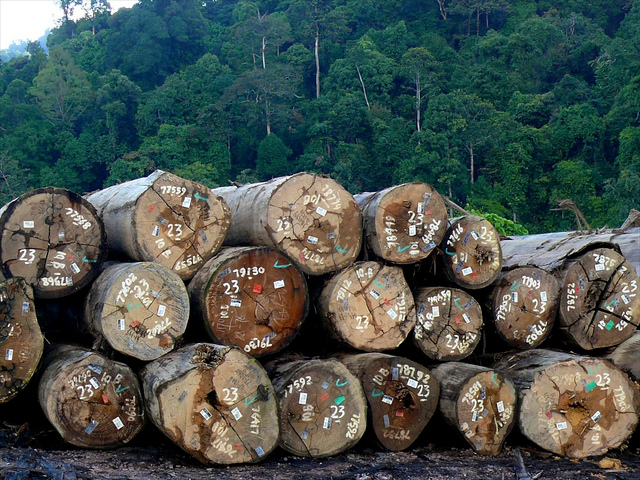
(252, 297)
(323, 409)
(213, 401)
(449, 323)
(479, 402)
(92, 401)
(368, 306)
(404, 223)
(312, 219)
(472, 254)
(572, 405)
(626, 356)
(550, 250)
(599, 303)
(402, 396)
(52, 238)
(140, 309)
(523, 305)
(21, 340)
(165, 219)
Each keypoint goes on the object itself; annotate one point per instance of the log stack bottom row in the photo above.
(401, 302)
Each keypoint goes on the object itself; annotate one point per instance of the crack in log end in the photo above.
(212, 398)
(209, 357)
(484, 254)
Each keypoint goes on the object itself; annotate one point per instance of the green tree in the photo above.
(272, 160)
(419, 67)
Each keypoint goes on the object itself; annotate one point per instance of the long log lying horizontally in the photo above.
(165, 219)
(479, 402)
(252, 297)
(404, 223)
(402, 396)
(368, 306)
(21, 340)
(449, 323)
(213, 401)
(472, 254)
(323, 409)
(572, 405)
(54, 239)
(524, 304)
(312, 219)
(141, 309)
(92, 401)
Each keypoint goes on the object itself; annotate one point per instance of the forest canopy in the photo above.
(505, 106)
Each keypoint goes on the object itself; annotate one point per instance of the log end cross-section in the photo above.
(215, 402)
(368, 306)
(252, 297)
(141, 309)
(21, 340)
(402, 396)
(92, 401)
(449, 323)
(54, 239)
(323, 409)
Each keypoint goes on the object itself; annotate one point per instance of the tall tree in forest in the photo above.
(419, 67)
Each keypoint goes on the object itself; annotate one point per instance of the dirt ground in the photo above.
(28, 454)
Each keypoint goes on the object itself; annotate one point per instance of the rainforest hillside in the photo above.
(506, 106)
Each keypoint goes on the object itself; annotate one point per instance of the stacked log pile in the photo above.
(281, 314)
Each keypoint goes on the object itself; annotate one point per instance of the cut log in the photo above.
(21, 341)
(140, 309)
(92, 401)
(252, 297)
(52, 238)
(599, 302)
(165, 219)
(403, 223)
(312, 219)
(368, 306)
(626, 356)
(402, 396)
(572, 405)
(523, 305)
(214, 402)
(550, 250)
(472, 254)
(449, 323)
(323, 409)
(479, 402)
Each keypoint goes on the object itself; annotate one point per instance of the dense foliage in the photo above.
(506, 106)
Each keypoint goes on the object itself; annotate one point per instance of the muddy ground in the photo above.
(36, 453)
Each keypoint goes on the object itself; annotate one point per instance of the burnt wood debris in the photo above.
(291, 314)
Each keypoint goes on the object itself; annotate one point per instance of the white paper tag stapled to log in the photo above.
(514, 297)
(237, 414)
(375, 294)
(156, 231)
(327, 423)
(186, 202)
(412, 382)
(321, 211)
(596, 416)
(466, 317)
(259, 451)
(118, 423)
(395, 373)
(386, 421)
(500, 406)
(278, 284)
(561, 425)
(543, 296)
(412, 230)
(61, 236)
(8, 354)
(600, 267)
(467, 271)
(25, 308)
(421, 207)
(305, 433)
(94, 382)
(626, 299)
(162, 309)
(121, 324)
(206, 414)
(475, 235)
(387, 399)
(235, 302)
(302, 400)
(92, 426)
(312, 240)
(435, 311)
(28, 224)
(392, 313)
(95, 368)
(75, 268)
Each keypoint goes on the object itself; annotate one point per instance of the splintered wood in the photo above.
(165, 219)
(573, 405)
(92, 401)
(449, 323)
(368, 306)
(21, 341)
(402, 396)
(312, 219)
(141, 309)
(472, 253)
(53, 239)
(479, 402)
(323, 410)
(524, 304)
(403, 223)
(599, 303)
(252, 297)
(213, 401)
